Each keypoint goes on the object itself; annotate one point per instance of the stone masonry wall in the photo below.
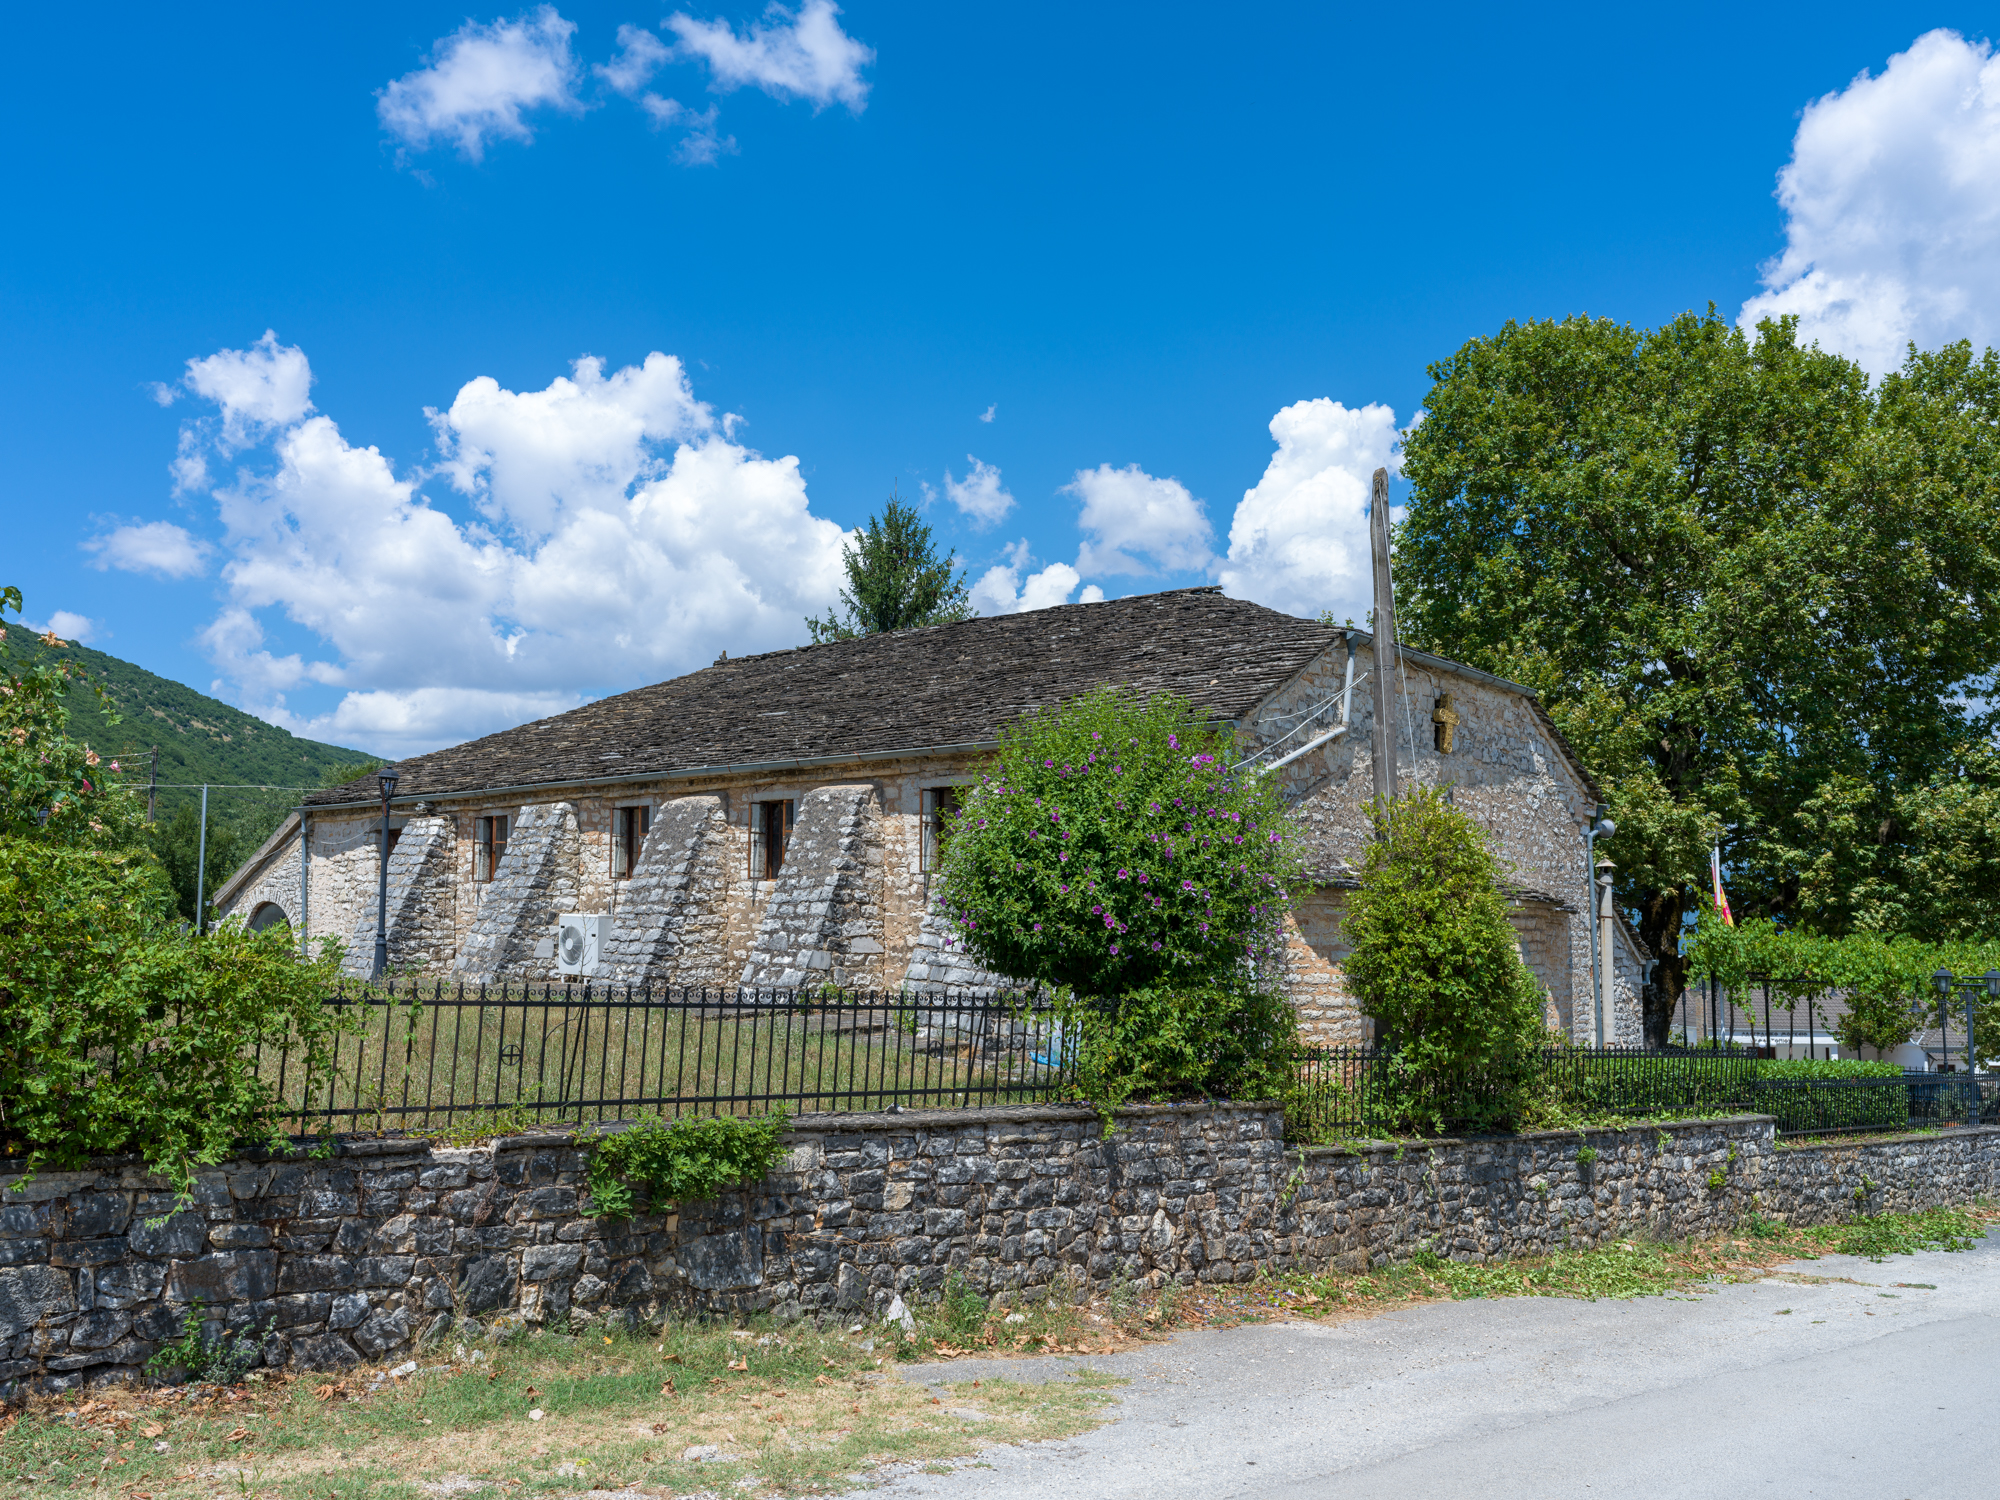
(391, 1243)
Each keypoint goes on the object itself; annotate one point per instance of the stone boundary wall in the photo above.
(387, 1244)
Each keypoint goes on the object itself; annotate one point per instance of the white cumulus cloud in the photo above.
(1135, 523)
(980, 494)
(480, 80)
(621, 537)
(640, 56)
(1002, 590)
(802, 55)
(150, 547)
(1892, 204)
(256, 389)
(68, 626)
(1299, 540)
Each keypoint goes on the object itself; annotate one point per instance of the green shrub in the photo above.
(1826, 1067)
(685, 1160)
(1219, 1041)
(1434, 962)
(119, 1032)
(1109, 850)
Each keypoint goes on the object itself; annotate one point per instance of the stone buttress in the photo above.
(422, 898)
(538, 880)
(671, 922)
(824, 922)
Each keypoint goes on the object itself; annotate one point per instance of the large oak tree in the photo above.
(1756, 591)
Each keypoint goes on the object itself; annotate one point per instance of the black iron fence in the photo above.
(425, 1056)
(428, 1056)
(1355, 1092)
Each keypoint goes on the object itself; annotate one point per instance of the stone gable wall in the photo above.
(1503, 770)
(391, 1243)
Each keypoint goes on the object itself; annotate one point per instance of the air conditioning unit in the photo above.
(576, 942)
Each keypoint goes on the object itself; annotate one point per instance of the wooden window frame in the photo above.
(625, 848)
(768, 844)
(937, 801)
(487, 849)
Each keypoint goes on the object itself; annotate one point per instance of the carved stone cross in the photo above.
(1445, 717)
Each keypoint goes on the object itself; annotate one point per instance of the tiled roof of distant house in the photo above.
(949, 685)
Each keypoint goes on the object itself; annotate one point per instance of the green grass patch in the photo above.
(759, 1410)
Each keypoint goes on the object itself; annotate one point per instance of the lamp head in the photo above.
(1993, 984)
(1942, 981)
(387, 777)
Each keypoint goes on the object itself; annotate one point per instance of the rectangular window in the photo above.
(770, 832)
(629, 826)
(940, 807)
(489, 845)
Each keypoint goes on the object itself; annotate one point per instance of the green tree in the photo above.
(118, 1030)
(1110, 855)
(896, 580)
(175, 841)
(53, 788)
(1756, 593)
(1109, 848)
(1458, 1016)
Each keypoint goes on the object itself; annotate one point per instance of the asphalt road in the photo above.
(1877, 1391)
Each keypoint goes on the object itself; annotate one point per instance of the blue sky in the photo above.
(1130, 297)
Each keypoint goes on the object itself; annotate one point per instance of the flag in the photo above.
(1721, 896)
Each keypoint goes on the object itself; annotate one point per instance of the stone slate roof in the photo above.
(911, 689)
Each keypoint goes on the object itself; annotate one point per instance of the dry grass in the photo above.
(756, 1411)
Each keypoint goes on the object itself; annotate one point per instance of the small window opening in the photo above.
(629, 827)
(394, 835)
(489, 846)
(940, 808)
(770, 833)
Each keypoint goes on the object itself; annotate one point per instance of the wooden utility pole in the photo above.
(1382, 742)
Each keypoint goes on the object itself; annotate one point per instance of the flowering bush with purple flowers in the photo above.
(1109, 849)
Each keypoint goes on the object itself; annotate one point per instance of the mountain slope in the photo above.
(199, 738)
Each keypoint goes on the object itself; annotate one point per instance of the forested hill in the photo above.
(200, 739)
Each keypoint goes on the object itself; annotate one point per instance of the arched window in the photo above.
(268, 914)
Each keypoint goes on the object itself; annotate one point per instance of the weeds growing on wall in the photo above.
(684, 1160)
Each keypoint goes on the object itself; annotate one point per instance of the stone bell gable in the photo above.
(773, 820)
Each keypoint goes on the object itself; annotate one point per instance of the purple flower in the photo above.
(1156, 947)
(1049, 763)
(1124, 874)
(1173, 743)
(1096, 910)
(1143, 879)
(1187, 885)
(1114, 947)
(1038, 927)
(1065, 854)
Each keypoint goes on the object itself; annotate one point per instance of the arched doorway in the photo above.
(269, 914)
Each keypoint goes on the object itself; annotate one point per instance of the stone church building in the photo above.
(773, 820)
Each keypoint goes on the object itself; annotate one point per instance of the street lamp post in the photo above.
(1601, 827)
(387, 777)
